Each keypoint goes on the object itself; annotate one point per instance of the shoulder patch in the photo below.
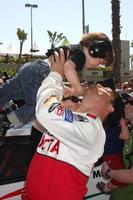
(59, 110)
(80, 118)
(52, 107)
(68, 115)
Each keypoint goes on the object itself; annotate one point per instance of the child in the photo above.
(93, 50)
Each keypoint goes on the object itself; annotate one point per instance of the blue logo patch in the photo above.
(68, 116)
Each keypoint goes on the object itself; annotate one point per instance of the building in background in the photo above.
(126, 66)
(125, 55)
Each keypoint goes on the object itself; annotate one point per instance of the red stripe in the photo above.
(92, 116)
(12, 194)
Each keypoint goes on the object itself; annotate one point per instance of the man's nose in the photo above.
(111, 108)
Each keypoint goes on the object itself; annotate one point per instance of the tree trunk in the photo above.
(116, 30)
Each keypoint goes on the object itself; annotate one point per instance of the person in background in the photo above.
(125, 87)
(131, 83)
(72, 142)
(1, 81)
(116, 133)
(5, 76)
(125, 174)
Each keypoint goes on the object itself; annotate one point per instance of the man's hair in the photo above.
(98, 36)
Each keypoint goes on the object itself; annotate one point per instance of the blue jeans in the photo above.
(24, 85)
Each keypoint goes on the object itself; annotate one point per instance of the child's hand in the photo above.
(57, 62)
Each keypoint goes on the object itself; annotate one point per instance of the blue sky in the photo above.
(62, 16)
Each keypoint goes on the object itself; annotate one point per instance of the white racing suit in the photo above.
(71, 145)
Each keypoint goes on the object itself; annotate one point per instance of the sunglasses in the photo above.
(130, 102)
(74, 99)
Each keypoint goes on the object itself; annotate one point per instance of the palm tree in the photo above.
(22, 36)
(55, 38)
(132, 43)
(116, 30)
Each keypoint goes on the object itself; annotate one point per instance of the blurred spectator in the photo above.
(124, 175)
(1, 81)
(126, 87)
(5, 76)
(131, 83)
(115, 137)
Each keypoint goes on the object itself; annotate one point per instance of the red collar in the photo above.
(92, 116)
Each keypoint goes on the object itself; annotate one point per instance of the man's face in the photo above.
(101, 100)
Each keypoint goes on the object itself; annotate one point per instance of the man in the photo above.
(72, 142)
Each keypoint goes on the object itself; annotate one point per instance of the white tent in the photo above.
(11, 49)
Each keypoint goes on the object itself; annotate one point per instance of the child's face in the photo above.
(92, 62)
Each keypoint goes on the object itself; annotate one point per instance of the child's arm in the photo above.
(72, 76)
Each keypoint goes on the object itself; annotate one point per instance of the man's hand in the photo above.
(57, 62)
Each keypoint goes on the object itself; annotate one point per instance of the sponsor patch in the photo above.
(68, 116)
(52, 107)
(80, 118)
(59, 110)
